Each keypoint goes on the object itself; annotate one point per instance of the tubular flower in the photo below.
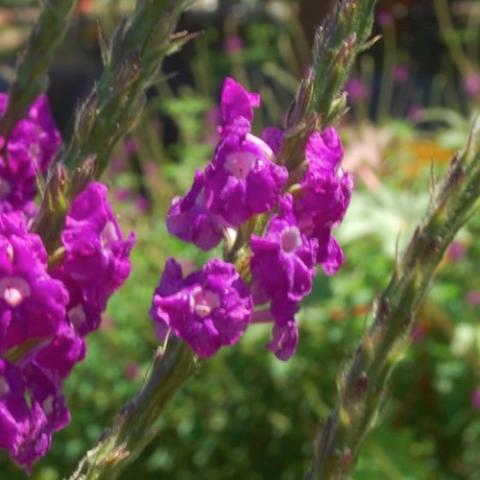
(190, 219)
(96, 259)
(31, 147)
(243, 179)
(325, 195)
(208, 309)
(32, 303)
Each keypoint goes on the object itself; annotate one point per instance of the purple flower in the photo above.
(190, 219)
(207, 309)
(65, 350)
(283, 261)
(473, 297)
(285, 331)
(234, 44)
(243, 179)
(32, 303)
(31, 409)
(47, 414)
(471, 84)
(96, 259)
(31, 147)
(14, 415)
(236, 108)
(273, 137)
(325, 196)
(357, 90)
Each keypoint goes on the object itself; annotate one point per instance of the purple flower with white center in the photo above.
(243, 179)
(96, 261)
(325, 195)
(236, 108)
(283, 268)
(207, 309)
(31, 147)
(190, 219)
(32, 303)
(283, 261)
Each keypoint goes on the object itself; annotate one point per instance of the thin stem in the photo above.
(362, 386)
(131, 64)
(31, 77)
(134, 427)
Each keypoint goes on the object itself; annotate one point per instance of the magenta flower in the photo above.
(14, 414)
(64, 351)
(283, 261)
(207, 309)
(285, 331)
(236, 108)
(243, 179)
(273, 137)
(32, 145)
(190, 219)
(31, 409)
(325, 195)
(32, 303)
(96, 259)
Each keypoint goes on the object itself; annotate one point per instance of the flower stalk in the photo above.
(362, 386)
(134, 427)
(131, 64)
(31, 79)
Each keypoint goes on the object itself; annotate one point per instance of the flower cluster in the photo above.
(48, 305)
(26, 155)
(246, 182)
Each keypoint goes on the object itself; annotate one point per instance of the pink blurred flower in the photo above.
(418, 333)
(471, 84)
(415, 113)
(456, 251)
(384, 18)
(130, 146)
(234, 44)
(401, 73)
(473, 297)
(475, 399)
(142, 203)
(122, 194)
(357, 90)
(131, 371)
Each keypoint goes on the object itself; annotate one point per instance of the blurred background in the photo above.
(246, 415)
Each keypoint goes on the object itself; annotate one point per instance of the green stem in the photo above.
(134, 427)
(362, 386)
(131, 64)
(31, 78)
